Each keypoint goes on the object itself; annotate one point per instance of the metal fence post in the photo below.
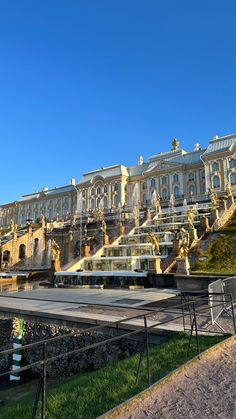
(196, 332)
(232, 308)
(183, 313)
(147, 349)
(44, 391)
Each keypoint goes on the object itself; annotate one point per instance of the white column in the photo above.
(181, 183)
(207, 176)
(171, 184)
(198, 182)
(225, 167)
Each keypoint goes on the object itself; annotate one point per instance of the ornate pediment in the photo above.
(162, 165)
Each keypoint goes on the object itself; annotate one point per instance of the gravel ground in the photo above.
(207, 389)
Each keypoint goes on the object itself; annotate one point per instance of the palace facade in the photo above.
(175, 172)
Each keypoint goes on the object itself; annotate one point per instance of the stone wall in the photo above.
(66, 366)
(34, 255)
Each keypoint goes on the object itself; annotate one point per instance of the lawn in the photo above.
(91, 394)
(220, 255)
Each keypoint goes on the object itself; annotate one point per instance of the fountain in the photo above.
(79, 203)
(154, 200)
(185, 206)
(38, 252)
(171, 203)
(135, 197)
(48, 253)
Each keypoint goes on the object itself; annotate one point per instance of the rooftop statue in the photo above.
(155, 244)
(175, 144)
(55, 251)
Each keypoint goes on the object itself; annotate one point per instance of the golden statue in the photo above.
(214, 200)
(183, 237)
(55, 251)
(86, 239)
(98, 214)
(155, 244)
(14, 226)
(175, 144)
(104, 227)
(158, 204)
(136, 216)
(191, 216)
(228, 190)
(43, 221)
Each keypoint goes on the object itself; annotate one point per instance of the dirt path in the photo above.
(207, 389)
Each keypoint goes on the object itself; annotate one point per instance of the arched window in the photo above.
(176, 192)
(116, 200)
(191, 177)
(92, 204)
(105, 189)
(176, 178)
(215, 166)
(98, 190)
(164, 194)
(116, 187)
(22, 254)
(203, 188)
(191, 190)
(216, 182)
(36, 245)
(50, 213)
(203, 174)
(153, 183)
(233, 179)
(83, 204)
(144, 198)
(6, 256)
(83, 193)
(232, 163)
(92, 191)
(164, 180)
(98, 202)
(105, 201)
(144, 185)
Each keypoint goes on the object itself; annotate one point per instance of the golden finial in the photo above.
(175, 144)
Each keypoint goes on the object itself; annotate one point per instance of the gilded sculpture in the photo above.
(158, 204)
(214, 200)
(228, 190)
(191, 217)
(104, 227)
(155, 244)
(55, 251)
(14, 226)
(183, 236)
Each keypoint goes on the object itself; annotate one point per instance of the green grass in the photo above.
(221, 254)
(91, 394)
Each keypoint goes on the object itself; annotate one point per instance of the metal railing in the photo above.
(191, 306)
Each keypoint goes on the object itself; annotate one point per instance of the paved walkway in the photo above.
(78, 305)
(204, 390)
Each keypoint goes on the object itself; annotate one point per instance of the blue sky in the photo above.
(91, 83)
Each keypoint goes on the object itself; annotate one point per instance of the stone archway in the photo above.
(22, 252)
